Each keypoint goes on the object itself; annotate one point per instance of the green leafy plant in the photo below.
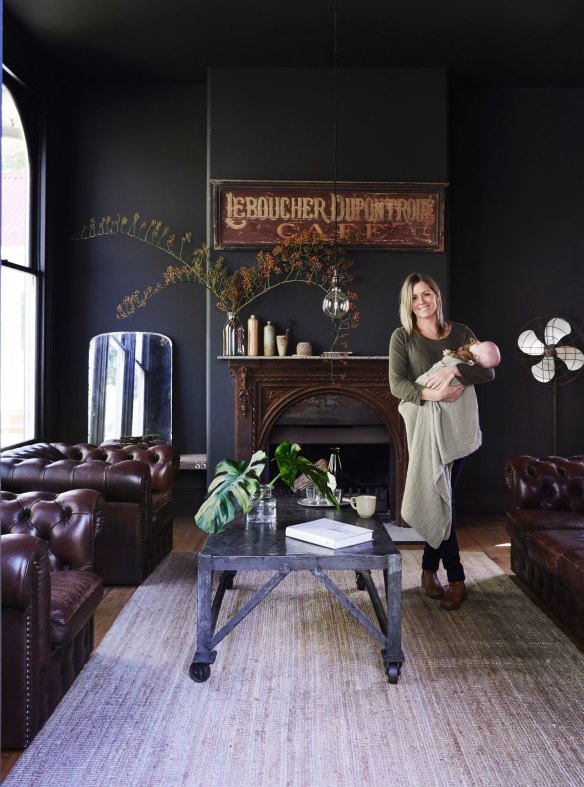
(236, 485)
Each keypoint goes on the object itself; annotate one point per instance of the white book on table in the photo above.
(329, 533)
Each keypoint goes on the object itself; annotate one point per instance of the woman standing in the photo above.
(413, 349)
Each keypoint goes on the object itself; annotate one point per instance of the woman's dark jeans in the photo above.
(448, 550)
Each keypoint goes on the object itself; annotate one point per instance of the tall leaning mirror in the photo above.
(130, 386)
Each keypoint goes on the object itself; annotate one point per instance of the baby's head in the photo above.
(486, 354)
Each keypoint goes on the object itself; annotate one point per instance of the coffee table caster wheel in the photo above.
(392, 673)
(200, 672)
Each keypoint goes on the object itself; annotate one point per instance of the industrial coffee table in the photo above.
(267, 548)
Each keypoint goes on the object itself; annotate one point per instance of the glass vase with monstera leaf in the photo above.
(236, 487)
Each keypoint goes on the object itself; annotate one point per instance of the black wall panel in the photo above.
(124, 150)
(517, 253)
(278, 124)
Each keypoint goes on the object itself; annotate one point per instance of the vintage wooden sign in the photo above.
(251, 214)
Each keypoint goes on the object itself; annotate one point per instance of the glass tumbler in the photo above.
(264, 511)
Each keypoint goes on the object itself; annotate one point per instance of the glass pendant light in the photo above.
(335, 303)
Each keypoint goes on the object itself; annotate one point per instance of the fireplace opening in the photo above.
(323, 421)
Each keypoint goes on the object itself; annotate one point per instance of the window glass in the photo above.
(15, 185)
(19, 301)
(18, 329)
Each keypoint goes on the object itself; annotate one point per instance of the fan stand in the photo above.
(555, 419)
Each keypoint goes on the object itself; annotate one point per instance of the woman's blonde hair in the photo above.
(406, 315)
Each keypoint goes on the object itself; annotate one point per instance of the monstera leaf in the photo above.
(236, 485)
(291, 465)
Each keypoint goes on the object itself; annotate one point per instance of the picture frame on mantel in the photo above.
(256, 214)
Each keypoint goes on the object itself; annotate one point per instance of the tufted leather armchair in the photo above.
(50, 592)
(136, 482)
(546, 528)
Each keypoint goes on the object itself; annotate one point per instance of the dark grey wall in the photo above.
(123, 150)
(278, 124)
(517, 253)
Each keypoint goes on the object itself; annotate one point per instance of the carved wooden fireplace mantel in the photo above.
(266, 387)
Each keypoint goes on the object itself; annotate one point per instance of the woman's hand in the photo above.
(440, 376)
(445, 392)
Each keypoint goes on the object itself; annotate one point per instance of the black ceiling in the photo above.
(520, 42)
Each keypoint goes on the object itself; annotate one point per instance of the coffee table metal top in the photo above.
(240, 540)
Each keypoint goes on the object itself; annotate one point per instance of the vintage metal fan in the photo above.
(557, 358)
(552, 351)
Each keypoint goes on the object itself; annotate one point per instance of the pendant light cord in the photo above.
(335, 124)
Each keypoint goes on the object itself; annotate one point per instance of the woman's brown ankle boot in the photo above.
(431, 584)
(455, 595)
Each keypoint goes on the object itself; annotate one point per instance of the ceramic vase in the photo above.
(253, 335)
(269, 339)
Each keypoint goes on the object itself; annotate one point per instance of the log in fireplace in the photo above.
(311, 402)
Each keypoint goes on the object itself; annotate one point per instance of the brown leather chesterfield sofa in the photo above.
(50, 592)
(136, 483)
(546, 527)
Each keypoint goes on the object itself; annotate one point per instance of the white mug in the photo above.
(364, 505)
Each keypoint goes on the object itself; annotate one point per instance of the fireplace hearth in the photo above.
(299, 399)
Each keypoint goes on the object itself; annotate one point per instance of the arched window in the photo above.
(20, 284)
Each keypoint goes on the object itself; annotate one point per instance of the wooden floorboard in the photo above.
(114, 599)
(486, 534)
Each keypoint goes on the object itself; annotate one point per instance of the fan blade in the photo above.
(544, 371)
(571, 356)
(555, 330)
(529, 343)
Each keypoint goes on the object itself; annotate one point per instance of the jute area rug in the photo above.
(489, 695)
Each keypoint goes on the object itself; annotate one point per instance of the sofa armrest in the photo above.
(25, 572)
(163, 461)
(551, 483)
(26, 646)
